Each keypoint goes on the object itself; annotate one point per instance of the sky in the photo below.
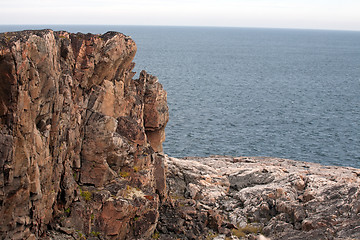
(306, 14)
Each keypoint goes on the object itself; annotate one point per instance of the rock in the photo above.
(215, 220)
(277, 197)
(80, 139)
(81, 157)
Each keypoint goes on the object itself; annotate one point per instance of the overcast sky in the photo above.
(309, 14)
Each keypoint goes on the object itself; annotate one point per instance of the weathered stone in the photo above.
(74, 128)
(80, 157)
(277, 197)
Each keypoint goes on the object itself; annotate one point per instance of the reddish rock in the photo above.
(78, 136)
(215, 220)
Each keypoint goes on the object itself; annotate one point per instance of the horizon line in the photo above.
(195, 26)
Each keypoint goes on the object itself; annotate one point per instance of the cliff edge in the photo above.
(81, 158)
(81, 141)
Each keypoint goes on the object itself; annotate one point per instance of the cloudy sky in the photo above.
(311, 14)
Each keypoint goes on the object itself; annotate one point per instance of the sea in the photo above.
(284, 93)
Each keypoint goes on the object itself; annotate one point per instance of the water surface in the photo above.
(253, 92)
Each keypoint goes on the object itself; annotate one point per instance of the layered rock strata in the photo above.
(81, 140)
(248, 197)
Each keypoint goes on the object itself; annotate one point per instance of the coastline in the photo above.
(81, 157)
(280, 198)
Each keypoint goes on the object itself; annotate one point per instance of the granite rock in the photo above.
(81, 140)
(249, 197)
(81, 158)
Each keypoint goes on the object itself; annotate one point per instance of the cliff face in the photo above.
(81, 140)
(80, 158)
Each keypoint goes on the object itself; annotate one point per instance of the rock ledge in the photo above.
(247, 196)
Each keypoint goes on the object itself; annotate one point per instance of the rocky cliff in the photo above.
(80, 140)
(81, 158)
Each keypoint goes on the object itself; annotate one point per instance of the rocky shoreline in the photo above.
(243, 197)
(81, 158)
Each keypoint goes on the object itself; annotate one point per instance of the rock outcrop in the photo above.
(80, 140)
(81, 158)
(248, 197)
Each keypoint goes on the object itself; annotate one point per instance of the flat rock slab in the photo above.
(279, 198)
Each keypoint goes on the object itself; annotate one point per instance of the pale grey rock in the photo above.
(286, 199)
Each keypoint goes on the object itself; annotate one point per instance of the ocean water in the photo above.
(253, 92)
